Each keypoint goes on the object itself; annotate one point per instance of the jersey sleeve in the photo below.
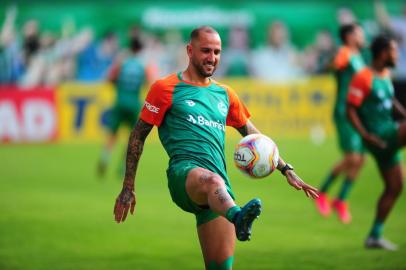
(342, 58)
(360, 87)
(238, 114)
(157, 102)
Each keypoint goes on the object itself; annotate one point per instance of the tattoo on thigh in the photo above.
(222, 195)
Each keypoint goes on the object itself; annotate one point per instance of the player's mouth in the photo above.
(208, 66)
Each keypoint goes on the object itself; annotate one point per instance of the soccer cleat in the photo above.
(323, 204)
(245, 218)
(380, 243)
(341, 207)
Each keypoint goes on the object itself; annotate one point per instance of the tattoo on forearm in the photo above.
(247, 129)
(222, 195)
(125, 196)
(134, 149)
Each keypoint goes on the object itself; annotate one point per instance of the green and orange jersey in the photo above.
(346, 64)
(191, 120)
(373, 95)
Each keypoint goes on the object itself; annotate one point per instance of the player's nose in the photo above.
(211, 58)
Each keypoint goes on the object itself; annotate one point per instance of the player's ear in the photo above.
(189, 49)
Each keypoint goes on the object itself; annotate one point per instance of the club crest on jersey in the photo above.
(189, 102)
(222, 108)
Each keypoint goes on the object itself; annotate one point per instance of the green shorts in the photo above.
(391, 155)
(177, 175)
(348, 138)
(120, 115)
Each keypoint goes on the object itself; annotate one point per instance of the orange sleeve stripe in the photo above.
(158, 100)
(238, 114)
(360, 87)
(342, 58)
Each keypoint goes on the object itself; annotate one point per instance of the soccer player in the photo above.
(191, 111)
(128, 75)
(347, 61)
(370, 105)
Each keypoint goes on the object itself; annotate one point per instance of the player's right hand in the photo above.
(375, 140)
(124, 202)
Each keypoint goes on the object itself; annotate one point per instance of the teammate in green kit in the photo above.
(128, 75)
(370, 105)
(347, 61)
(191, 111)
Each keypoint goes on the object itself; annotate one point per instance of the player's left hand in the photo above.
(124, 202)
(299, 184)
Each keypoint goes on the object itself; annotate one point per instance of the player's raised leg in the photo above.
(217, 240)
(206, 188)
(393, 187)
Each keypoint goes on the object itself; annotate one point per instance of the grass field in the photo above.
(55, 214)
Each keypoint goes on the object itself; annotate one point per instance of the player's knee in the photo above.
(208, 180)
(355, 161)
(214, 180)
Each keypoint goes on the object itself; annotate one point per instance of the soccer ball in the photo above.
(256, 155)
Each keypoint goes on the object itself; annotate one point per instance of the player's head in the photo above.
(135, 44)
(384, 48)
(352, 35)
(204, 50)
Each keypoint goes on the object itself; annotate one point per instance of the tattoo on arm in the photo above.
(125, 196)
(247, 129)
(134, 150)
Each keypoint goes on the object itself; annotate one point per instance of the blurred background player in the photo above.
(371, 103)
(347, 61)
(191, 112)
(128, 75)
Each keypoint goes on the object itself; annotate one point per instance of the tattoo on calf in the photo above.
(222, 195)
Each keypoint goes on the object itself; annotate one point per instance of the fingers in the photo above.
(298, 183)
(306, 192)
(311, 193)
(309, 187)
(125, 212)
(121, 210)
(314, 194)
(132, 207)
(118, 211)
